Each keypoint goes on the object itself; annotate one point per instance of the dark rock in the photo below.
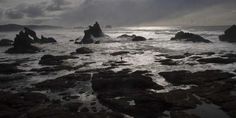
(176, 56)
(17, 104)
(10, 78)
(180, 99)
(217, 60)
(229, 35)
(187, 77)
(168, 62)
(54, 60)
(9, 68)
(85, 109)
(139, 38)
(63, 83)
(83, 50)
(6, 42)
(46, 40)
(189, 37)
(180, 114)
(126, 92)
(22, 44)
(111, 80)
(126, 36)
(73, 106)
(93, 31)
(119, 53)
(53, 69)
(31, 33)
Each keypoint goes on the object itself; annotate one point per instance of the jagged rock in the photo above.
(229, 35)
(93, 31)
(189, 37)
(139, 38)
(22, 44)
(83, 50)
(31, 33)
(6, 42)
(9, 68)
(54, 60)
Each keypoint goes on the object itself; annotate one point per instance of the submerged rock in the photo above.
(83, 50)
(6, 42)
(229, 35)
(93, 31)
(189, 37)
(46, 40)
(9, 68)
(54, 60)
(217, 60)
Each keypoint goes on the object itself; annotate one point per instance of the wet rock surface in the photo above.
(119, 53)
(189, 37)
(125, 91)
(213, 86)
(139, 38)
(6, 42)
(9, 68)
(229, 34)
(63, 83)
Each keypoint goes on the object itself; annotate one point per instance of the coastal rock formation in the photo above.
(139, 38)
(132, 37)
(93, 31)
(229, 35)
(189, 37)
(22, 44)
(6, 42)
(46, 40)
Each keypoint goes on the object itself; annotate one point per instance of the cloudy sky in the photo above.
(118, 12)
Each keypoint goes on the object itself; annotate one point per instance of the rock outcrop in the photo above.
(189, 37)
(93, 31)
(229, 35)
(6, 42)
(22, 44)
(139, 38)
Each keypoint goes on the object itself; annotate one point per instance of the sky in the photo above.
(119, 12)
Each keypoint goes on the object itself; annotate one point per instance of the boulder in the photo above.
(189, 37)
(229, 35)
(119, 53)
(6, 42)
(93, 31)
(126, 36)
(83, 50)
(139, 38)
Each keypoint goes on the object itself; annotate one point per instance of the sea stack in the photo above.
(22, 44)
(94, 31)
(229, 35)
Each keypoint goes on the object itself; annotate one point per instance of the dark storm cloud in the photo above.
(129, 12)
(119, 12)
(14, 14)
(57, 5)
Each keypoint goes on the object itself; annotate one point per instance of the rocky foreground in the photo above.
(115, 89)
